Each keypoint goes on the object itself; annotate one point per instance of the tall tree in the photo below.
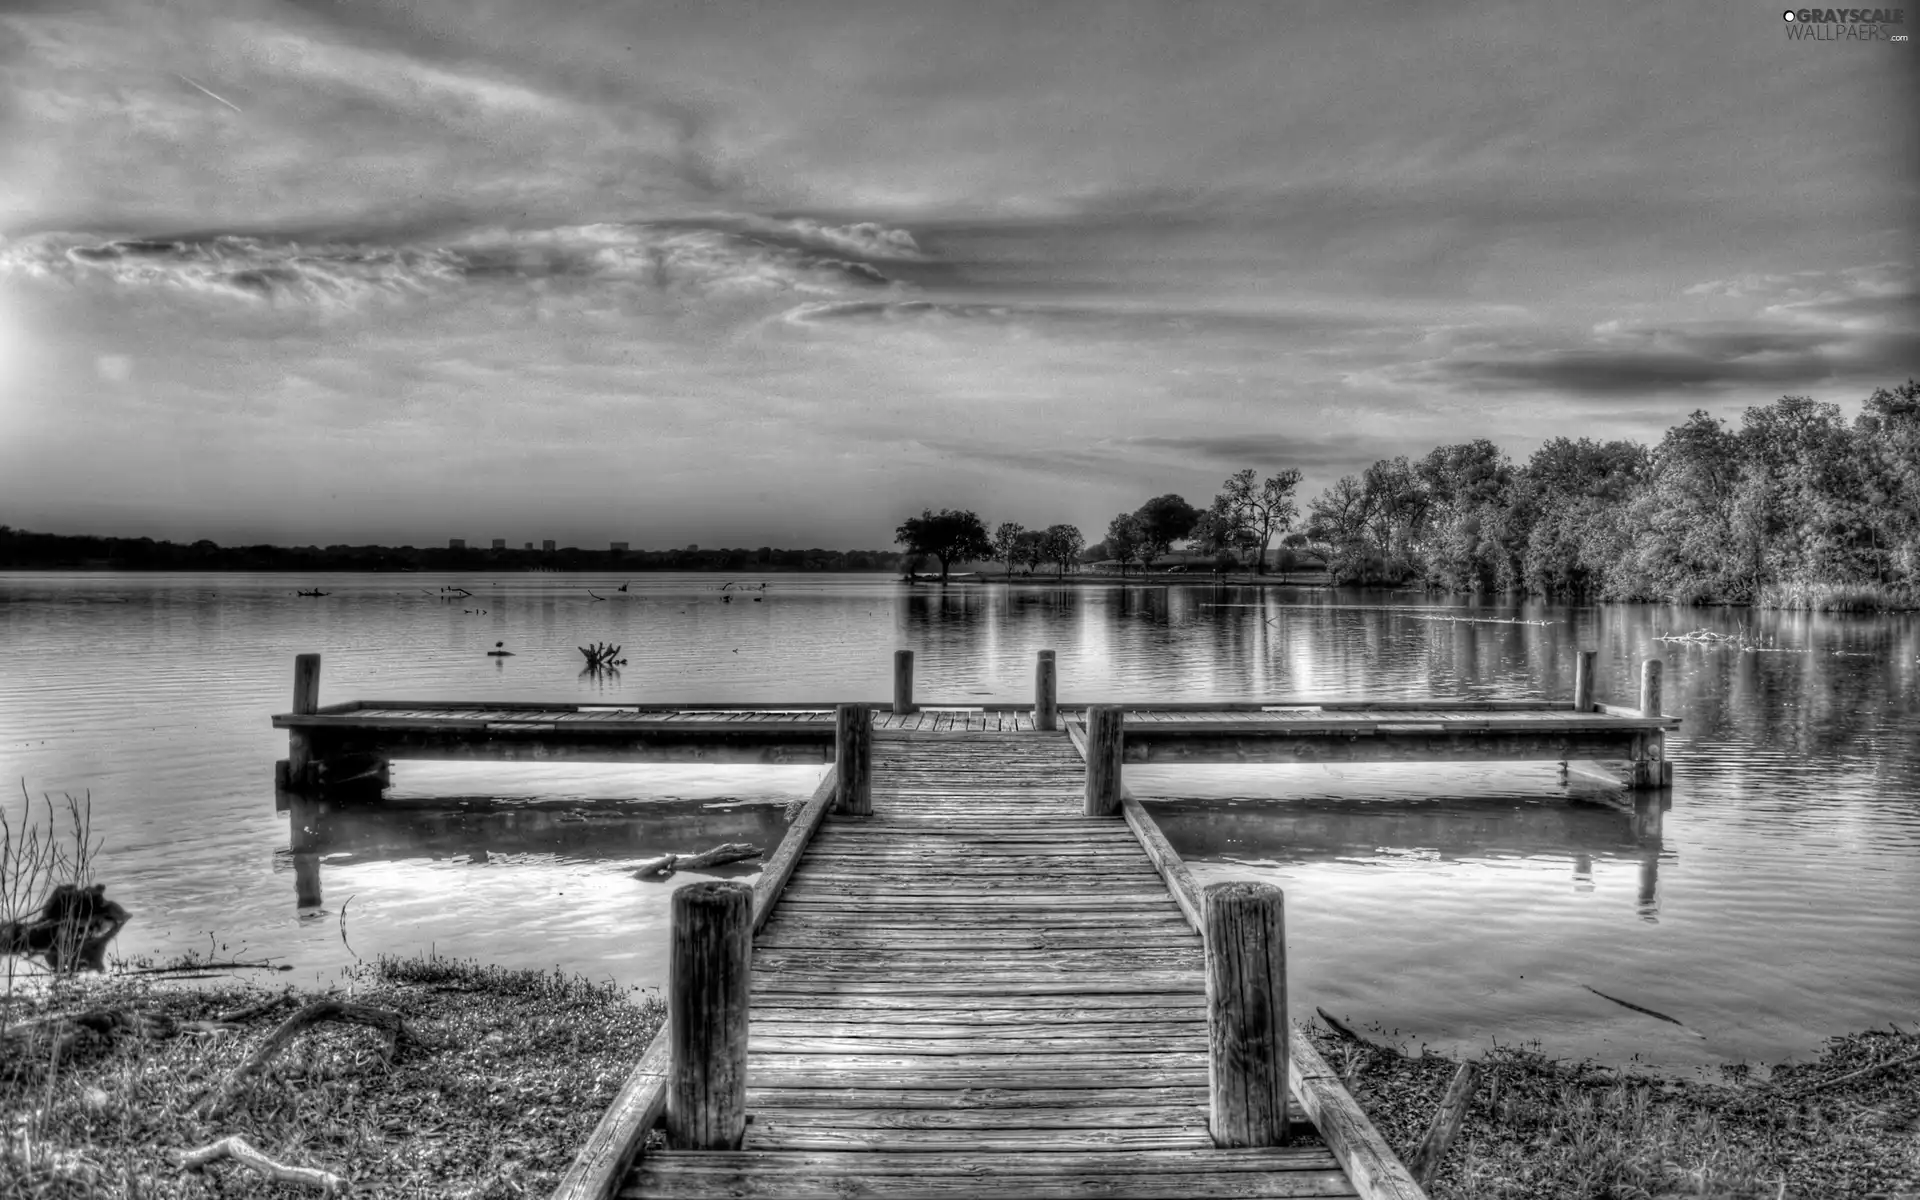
(1006, 543)
(1164, 520)
(1258, 510)
(950, 535)
(1125, 539)
(1030, 549)
(1062, 544)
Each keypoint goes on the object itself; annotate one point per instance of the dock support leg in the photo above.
(1045, 706)
(1105, 742)
(853, 760)
(1649, 766)
(1247, 1052)
(306, 880)
(903, 681)
(711, 959)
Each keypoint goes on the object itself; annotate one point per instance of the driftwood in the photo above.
(1862, 1073)
(1425, 1160)
(1334, 1023)
(48, 1040)
(312, 1014)
(602, 654)
(667, 864)
(74, 927)
(238, 1149)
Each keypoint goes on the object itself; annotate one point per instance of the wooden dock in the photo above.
(974, 967)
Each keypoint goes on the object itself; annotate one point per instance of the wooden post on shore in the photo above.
(1045, 702)
(853, 760)
(903, 681)
(306, 880)
(1583, 680)
(711, 957)
(1247, 1052)
(1105, 742)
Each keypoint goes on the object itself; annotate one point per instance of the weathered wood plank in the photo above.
(780, 868)
(987, 1102)
(1153, 1039)
(1029, 1117)
(770, 1132)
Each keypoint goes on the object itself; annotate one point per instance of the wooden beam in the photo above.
(1105, 743)
(1146, 744)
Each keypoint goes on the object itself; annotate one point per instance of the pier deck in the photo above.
(974, 966)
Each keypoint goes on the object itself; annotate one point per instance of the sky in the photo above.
(785, 273)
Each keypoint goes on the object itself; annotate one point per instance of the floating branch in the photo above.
(314, 592)
(667, 864)
(602, 654)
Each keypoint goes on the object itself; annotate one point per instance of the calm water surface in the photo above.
(1771, 905)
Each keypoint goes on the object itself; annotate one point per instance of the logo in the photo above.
(1845, 24)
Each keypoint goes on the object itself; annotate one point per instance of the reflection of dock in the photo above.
(974, 966)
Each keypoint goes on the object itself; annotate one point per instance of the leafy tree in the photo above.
(1006, 543)
(1030, 549)
(950, 535)
(1253, 512)
(1164, 520)
(1125, 539)
(1062, 544)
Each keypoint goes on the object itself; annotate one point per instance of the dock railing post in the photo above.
(711, 957)
(1045, 702)
(1650, 672)
(1583, 680)
(853, 760)
(903, 681)
(1106, 741)
(1247, 1052)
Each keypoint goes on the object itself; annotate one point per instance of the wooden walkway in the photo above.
(977, 990)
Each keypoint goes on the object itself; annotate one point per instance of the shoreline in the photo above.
(499, 1075)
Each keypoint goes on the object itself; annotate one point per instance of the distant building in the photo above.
(456, 543)
(619, 547)
(499, 543)
(546, 545)
(529, 545)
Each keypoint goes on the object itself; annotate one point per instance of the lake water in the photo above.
(1454, 903)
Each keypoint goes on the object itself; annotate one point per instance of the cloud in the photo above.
(1807, 328)
(688, 262)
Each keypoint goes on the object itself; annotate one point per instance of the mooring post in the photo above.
(711, 956)
(306, 880)
(1105, 743)
(306, 701)
(1247, 1050)
(1650, 687)
(853, 760)
(903, 681)
(1583, 680)
(1045, 702)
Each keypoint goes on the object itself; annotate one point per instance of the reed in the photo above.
(1838, 597)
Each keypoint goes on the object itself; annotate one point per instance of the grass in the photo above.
(501, 1079)
(1838, 597)
(1540, 1127)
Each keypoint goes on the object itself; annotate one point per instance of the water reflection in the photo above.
(1782, 878)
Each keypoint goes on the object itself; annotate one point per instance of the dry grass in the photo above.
(1541, 1128)
(502, 1077)
(1838, 597)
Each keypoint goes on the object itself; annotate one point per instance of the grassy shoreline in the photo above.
(501, 1074)
(1542, 1127)
(495, 1083)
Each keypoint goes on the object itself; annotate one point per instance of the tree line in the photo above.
(1795, 508)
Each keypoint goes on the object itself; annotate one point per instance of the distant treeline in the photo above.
(1797, 508)
(20, 549)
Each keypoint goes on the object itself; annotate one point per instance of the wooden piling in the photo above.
(853, 760)
(709, 965)
(1105, 743)
(1045, 702)
(306, 880)
(1583, 663)
(903, 682)
(306, 701)
(1650, 672)
(1247, 1052)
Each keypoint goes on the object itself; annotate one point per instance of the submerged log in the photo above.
(667, 864)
